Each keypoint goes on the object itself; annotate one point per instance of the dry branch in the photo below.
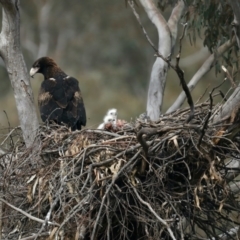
(205, 68)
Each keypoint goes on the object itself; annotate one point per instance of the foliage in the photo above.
(210, 20)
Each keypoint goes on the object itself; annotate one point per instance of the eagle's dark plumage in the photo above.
(60, 98)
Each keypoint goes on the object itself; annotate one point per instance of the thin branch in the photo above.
(174, 20)
(107, 192)
(27, 214)
(46, 234)
(162, 27)
(228, 106)
(205, 68)
(205, 125)
(48, 215)
(131, 4)
(180, 74)
(155, 214)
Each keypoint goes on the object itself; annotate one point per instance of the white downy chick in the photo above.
(107, 119)
(113, 112)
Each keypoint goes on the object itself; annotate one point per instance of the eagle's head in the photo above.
(41, 65)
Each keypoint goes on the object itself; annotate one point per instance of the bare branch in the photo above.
(174, 20)
(46, 234)
(140, 23)
(160, 68)
(27, 214)
(205, 68)
(160, 23)
(155, 214)
(228, 107)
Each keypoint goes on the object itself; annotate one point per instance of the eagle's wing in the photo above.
(61, 100)
(49, 108)
(75, 110)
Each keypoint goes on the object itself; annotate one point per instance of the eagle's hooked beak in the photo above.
(33, 71)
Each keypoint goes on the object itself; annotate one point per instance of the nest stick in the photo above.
(27, 214)
(155, 214)
(107, 192)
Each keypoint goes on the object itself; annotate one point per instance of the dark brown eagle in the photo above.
(59, 98)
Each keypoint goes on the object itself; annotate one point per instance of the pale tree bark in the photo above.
(10, 51)
(167, 34)
(205, 68)
(234, 100)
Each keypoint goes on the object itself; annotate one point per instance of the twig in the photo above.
(75, 209)
(27, 214)
(46, 234)
(155, 214)
(229, 77)
(47, 218)
(180, 74)
(107, 191)
(102, 132)
(9, 126)
(9, 135)
(109, 220)
(131, 4)
(205, 125)
(141, 133)
(222, 95)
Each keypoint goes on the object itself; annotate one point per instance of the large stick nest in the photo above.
(145, 181)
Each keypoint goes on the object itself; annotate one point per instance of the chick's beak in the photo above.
(33, 71)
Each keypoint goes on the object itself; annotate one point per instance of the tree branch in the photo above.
(155, 214)
(229, 106)
(10, 51)
(205, 68)
(174, 20)
(160, 67)
(27, 214)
